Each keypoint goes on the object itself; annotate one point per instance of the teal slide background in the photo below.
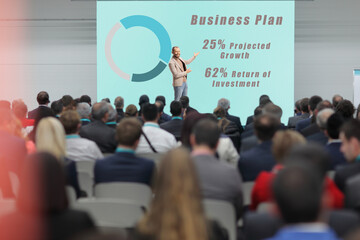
(136, 50)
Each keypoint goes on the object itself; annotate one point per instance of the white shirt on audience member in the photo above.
(160, 139)
(82, 149)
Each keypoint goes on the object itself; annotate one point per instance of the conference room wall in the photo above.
(59, 49)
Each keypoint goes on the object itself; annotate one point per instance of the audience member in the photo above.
(68, 102)
(84, 110)
(112, 119)
(249, 129)
(263, 100)
(336, 99)
(105, 100)
(131, 111)
(119, 106)
(85, 99)
(124, 166)
(43, 101)
(143, 100)
(78, 148)
(174, 126)
(176, 211)
(185, 101)
(259, 158)
(321, 122)
(304, 113)
(160, 107)
(164, 117)
(350, 146)
(298, 192)
(283, 142)
(154, 139)
(313, 102)
(97, 130)
(42, 206)
(226, 126)
(346, 109)
(225, 104)
(313, 128)
(57, 107)
(20, 109)
(50, 137)
(333, 145)
(218, 180)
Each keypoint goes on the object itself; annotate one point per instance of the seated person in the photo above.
(124, 166)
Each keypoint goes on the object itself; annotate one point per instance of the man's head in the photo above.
(333, 125)
(71, 121)
(176, 52)
(175, 108)
(205, 133)
(160, 107)
(68, 102)
(185, 101)
(100, 111)
(119, 102)
(313, 102)
(297, 107)
(298, 192)
(304, 105)
(265, 126)
(150, 112)
(57, 107)
(224, 103)
(350, 138)
(128, 132)
(143, 99)
(43, 98)
(112, 114)
(19, 108)
(84, 110)
(323, 116)
(336, 99)
(85, 99)
(273, 110)
(346, 109)
(161, 99)
(263, 100)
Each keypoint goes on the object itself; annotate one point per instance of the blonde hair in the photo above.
(220, 114)
(176, 212)
(50, 137)
(283, 141)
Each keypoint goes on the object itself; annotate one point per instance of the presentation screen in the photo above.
(246, 49)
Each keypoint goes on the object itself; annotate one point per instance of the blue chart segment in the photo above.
(161, 34)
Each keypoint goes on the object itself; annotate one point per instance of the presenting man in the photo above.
(179, 71)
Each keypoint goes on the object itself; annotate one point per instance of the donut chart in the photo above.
(161, 34)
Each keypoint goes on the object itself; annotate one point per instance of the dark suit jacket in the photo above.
(302, 124)
(120, 114)
(101, 134)
(293, 120)
(319, 138)
(39, 111)
(249, 120)
(343, 173)
(248, 143)
(336, 156)
(310, 130)
(235, 120)
(257, 159)
(174, 127)
(124, 167)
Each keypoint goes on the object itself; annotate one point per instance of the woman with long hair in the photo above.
(176, 212)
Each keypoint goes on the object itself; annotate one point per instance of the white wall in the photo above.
(58, 52)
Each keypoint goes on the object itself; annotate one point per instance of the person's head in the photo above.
(176, 211)
(205, 133)
(160, 106)
(143, 99)
(112, 114)
(106, 100)
(175, 108)
(323, 116)
(312, 154)
(273, 110)
(219, 112)
(150, 112)
(185, 101)
(346, 109)
(323, 105)
(84, 110)
(128, 132)
(19, 108)
(71, 121)
(224, 103)
(265, 126)
(263, 100)
(176, 52)
(257, 111)
(313, 102)
(50, 137)
(85, 99)
(298, 192)
(131, 111)
(68, 102)
(350, 138)
(304, 105)
(336, 99)
(283, 141)
(43, 98)
(297, 107)
(42, 185)
(119, 102)
(10, 123)
(57, 107)
(334, 122)
(100, 111)
(161, 99)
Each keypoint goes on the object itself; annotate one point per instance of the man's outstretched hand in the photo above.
(195, 54)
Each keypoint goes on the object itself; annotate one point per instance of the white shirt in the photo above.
(160, 139)
(82, 149)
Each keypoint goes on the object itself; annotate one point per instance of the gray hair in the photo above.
(112, 114)
(119, 102)
(100, 109)
(224, 103)
(83, 109)
(323, 116)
